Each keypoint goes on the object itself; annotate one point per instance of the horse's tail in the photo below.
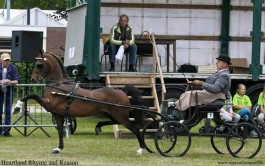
(136, 101)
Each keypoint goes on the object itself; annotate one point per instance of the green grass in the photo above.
(86, 148)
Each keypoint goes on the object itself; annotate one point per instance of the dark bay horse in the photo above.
(50, 67)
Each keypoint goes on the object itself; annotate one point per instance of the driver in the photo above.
(214, 87)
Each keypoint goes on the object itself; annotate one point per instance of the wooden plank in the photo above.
(129, 80)
(144, 97)
(130, 75)
(164, 38)
(137, 86)
(153, 108)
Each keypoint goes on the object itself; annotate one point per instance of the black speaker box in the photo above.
(26, 45)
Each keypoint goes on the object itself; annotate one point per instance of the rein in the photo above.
(85, 98)
(54, 83)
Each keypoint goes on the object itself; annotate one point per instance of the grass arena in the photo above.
(84, 147)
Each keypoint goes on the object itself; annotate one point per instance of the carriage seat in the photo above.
(169, 110)
(212, 107)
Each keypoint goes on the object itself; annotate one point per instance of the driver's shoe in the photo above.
(177, 114)
(263, 127)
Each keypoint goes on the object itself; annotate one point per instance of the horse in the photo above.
(136, 101)
(64, 98)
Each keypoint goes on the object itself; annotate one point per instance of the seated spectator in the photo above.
(241, 103)
(227, 114)
(121, 35)
(261, 103)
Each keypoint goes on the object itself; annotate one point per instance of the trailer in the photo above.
(197, 31)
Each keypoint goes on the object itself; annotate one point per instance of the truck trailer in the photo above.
(187, 32)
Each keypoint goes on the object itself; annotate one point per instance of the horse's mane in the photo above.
(61, 66)
(136, 99)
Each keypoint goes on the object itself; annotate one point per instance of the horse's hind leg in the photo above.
(105, 123)
(135, 129)
(59, 122)
(123, 119)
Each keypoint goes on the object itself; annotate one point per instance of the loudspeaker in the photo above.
(26, 45)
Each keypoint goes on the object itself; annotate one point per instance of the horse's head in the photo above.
(41, 68)
(50, 67)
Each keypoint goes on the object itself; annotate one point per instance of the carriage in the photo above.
(166, 131)
(173, 137)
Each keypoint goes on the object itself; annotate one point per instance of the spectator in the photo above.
(242, 105)
(261, 103)
(121, 35)
(241, 102)
(227, 114)
(8, 77)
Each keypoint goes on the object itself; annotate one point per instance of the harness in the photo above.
(69, 99)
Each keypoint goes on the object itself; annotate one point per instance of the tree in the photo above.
(58, 5)
(42, 4)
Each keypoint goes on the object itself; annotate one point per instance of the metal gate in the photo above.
(33, 115)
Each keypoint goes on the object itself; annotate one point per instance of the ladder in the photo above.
(141, 81)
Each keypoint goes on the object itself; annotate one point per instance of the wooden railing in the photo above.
(156, 63)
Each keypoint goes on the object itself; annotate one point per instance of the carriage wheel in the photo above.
(218, 140)
(148, 135)
(153, 120)
(240, 142)
(172, 139)
(72, 125)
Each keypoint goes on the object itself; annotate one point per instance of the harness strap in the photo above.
(70, 100)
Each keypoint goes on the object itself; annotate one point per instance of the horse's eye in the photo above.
(39, 66)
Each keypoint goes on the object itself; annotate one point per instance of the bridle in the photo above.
(41, 61)
(39, 66)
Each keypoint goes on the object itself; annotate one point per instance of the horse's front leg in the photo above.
(18, 107)
(135, 129)
(20, 103)
(59, 122)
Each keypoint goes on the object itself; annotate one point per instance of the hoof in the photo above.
(139, 151)
(16, 110)
(98, 130)
(18, 106)
(56, 150)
